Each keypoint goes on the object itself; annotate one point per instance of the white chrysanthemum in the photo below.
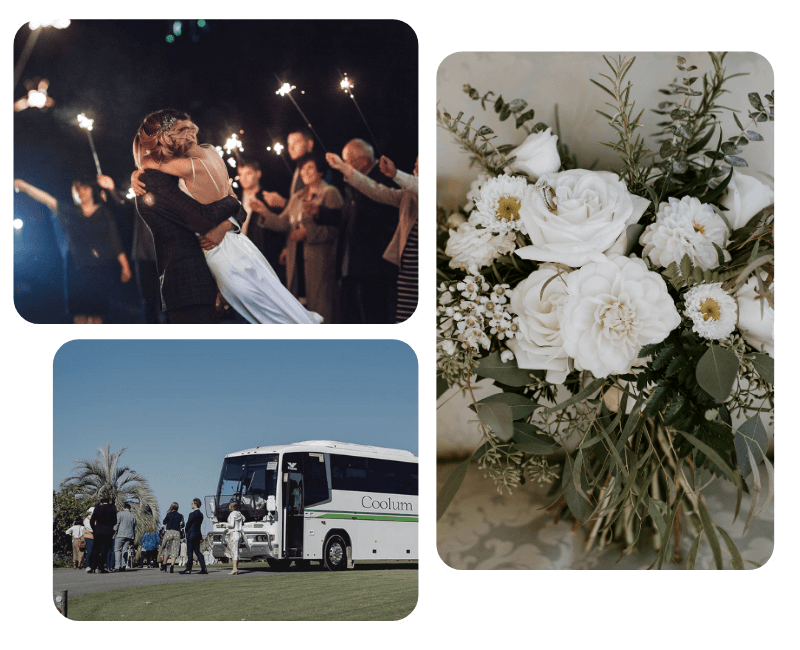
(613, 309)
(472, 248)
(499, 203)
(685, 227)
(474, 192)
(712, 310)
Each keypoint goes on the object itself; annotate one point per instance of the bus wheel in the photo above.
(335, 553)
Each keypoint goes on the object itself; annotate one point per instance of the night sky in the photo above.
(224, 76)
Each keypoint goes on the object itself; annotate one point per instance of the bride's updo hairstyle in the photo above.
(163, 135)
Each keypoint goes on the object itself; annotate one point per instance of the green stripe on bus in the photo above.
(365, 517)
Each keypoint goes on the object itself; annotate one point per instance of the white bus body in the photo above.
(332, 502)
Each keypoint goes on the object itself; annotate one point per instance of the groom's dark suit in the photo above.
(174, 217)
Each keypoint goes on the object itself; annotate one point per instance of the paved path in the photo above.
(80, 583)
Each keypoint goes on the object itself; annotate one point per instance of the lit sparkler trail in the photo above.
(278, 149)
(87, 124)
(286, 91)
(348, 86)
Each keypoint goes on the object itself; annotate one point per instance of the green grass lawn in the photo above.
(366, 595)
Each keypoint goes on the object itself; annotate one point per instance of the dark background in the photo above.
(224, 75)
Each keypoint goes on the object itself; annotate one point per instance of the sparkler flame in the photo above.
(60, 23)
(37, 99)
(84, 122)
(233, 143)
(285, 89)
(346, 84)
(278, 147)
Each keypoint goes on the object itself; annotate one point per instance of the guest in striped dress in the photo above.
(403, 249)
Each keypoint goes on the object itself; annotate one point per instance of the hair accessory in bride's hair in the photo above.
(168, 123)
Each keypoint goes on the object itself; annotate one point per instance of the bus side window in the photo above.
(315, 480)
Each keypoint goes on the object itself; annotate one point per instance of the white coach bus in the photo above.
(331, 502)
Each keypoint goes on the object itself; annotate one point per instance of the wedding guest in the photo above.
(269, 242)
(402, 251)
(298, 144)
(126, 533)
(150, 542)
(234, 525)
(311, 250)
(76, 532)
(88, 536)
(171, 544)
(102, 521)
(194, 536)
(96, 262)
(368, 281)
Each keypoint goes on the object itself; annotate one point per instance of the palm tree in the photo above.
(102, 475)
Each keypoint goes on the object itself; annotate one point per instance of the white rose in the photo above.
(756, 328)
(537, 155)
(613, 309)
(744, 197)
(538, 344)
(593, 210)
(455, 220)
(474, 192)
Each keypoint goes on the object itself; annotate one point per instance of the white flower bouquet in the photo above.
(626, 315)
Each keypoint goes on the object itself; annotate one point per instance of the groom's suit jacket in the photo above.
(174, 218)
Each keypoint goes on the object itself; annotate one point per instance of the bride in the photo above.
(167, 141)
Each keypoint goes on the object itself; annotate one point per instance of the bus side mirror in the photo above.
(272, 505)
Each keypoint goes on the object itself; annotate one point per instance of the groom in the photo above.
(188, 290)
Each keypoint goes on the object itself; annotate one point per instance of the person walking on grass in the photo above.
(171, 546)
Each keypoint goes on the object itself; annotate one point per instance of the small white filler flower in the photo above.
(712, 310)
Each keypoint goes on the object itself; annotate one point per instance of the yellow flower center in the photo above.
(699, 228)
(710, 309)
(508, 208)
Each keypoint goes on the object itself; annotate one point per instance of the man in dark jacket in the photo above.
(103, 520)
(188, 290)
(194, 536)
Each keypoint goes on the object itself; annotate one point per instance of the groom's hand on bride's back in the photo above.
(214, 237)
(136, 184)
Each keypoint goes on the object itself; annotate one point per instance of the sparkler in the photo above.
(85, 123)
(278, 149)
(347, 85)
(286, 91)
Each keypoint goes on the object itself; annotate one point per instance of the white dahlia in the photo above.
(497, 207)
(685, 227)
(613, 309)
(712, 310)
(472, 248)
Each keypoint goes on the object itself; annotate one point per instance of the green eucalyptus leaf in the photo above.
(716, 372)
(708, 527)
(754, 136)
(736, 557)
(765, 367)
(450, 487)
(441, 386)
(521, 407)
(528, 440)
(753, 436)
(506, 372)
(497, 416)
(755, 101)
(736, 161)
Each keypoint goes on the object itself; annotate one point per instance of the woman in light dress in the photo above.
(171, 543)
(234, 525)
(167, 141)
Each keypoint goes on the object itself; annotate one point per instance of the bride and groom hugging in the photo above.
(185, 198)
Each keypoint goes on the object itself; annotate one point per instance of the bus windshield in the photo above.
(247, 480)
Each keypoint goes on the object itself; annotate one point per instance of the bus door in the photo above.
(293, 512)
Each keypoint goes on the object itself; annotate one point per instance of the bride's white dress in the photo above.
(248, 282)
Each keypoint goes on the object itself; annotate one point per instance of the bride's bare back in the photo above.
(209, 180)
(203, 174)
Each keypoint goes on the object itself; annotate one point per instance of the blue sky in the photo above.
(179, 406)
